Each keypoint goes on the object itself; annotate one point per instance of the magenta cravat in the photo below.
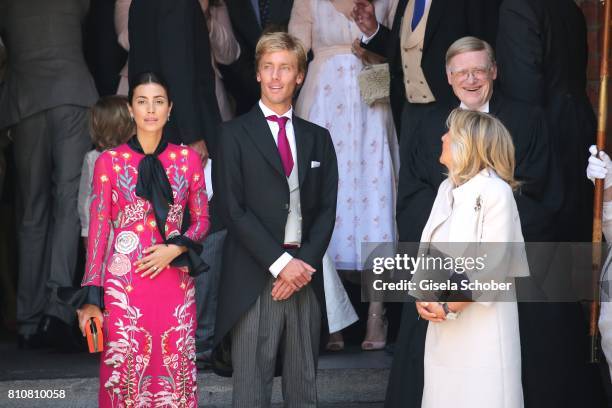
(283, 143)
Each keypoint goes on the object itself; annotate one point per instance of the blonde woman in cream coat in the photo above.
(472, 349)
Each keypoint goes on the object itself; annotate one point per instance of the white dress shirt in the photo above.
(284, 259)
(484, 108)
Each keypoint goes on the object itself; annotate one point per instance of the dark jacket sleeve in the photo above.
(315, 244)
(540, 195)
(520, 52)
(379, 44)
(229, 188)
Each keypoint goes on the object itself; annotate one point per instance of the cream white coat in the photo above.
(475, 361)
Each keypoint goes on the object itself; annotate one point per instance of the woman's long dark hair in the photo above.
(148, 77)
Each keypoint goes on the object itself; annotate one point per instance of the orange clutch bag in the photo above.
(95, 342)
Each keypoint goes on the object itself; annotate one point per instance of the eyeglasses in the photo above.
(464, 74)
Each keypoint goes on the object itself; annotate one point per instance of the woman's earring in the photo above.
(168, 117)
(132, 117)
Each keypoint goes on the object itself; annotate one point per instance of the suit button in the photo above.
(286, 206)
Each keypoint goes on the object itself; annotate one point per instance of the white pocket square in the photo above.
(315, 164)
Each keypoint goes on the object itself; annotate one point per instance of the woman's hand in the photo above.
(87, 312)
(431, 311)
(364, 55)
(157, 258)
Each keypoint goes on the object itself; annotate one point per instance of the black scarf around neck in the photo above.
(153, 184)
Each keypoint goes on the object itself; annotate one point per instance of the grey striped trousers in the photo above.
(269, 330)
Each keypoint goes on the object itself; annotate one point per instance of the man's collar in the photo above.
(484, 108)
(268, 112)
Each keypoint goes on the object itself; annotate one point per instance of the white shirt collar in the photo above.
(484, 108)
(267, 111)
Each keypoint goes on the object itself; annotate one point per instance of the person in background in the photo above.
(600, 167)
(44, 101)
(103, 54)
(170, 37)
(415, 44)
(542, 55)
(250, 19)
(111, 125)
(140, 285)
(364, 139)
(224, 46)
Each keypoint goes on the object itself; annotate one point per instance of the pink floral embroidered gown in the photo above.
(149, 324)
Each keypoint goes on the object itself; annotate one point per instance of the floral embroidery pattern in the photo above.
(126, 242)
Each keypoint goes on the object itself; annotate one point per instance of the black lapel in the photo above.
(399, 17)
(436, 10)
(257, 127)
(496, 103)
(304, 142)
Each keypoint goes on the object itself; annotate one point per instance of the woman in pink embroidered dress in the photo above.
(142, 282)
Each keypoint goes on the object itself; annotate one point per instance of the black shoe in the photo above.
(60, 335)
(30, 341)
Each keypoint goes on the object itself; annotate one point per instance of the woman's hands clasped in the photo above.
(432, 311)
(157, 258)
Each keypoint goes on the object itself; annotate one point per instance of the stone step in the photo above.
(337, 387)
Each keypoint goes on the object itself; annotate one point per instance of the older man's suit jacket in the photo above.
(253, 200)
(46, 67)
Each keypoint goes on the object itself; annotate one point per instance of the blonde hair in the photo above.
(469, 44)
(479, 141)
(280, 41)
(110, 122)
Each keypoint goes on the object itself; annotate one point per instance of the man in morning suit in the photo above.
(44, 101)
(542, 53)
(471, 71)
(276, 178)
(416, 43)
(251, 18)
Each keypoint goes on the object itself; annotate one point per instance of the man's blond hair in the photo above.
(479, 141)
(280, 41)
(469, 44)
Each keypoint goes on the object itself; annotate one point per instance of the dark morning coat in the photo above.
(448, 21)
(253, 198)
(420, 176)
(542, 58)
